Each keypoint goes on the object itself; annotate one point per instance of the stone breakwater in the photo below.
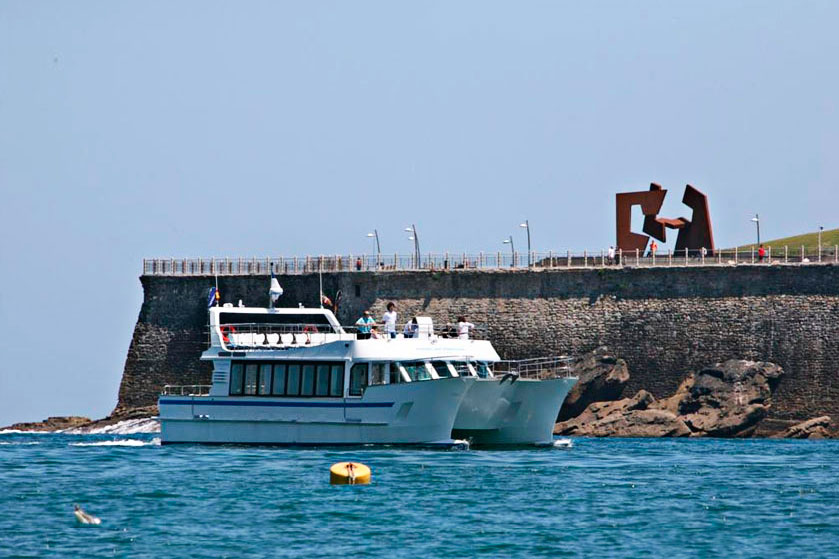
(664, 322)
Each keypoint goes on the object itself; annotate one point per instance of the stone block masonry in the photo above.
(665, 322)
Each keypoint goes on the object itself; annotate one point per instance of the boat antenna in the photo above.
(215, 272)
(320, 281)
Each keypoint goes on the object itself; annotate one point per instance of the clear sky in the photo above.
(186, 129)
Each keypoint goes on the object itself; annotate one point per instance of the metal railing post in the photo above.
(569, 258)
(550, 259)
(835, 253)
(585, 259)
(687, 263)
(753, 254)
(786, 254)
(735, 255)
(620, 256)
(769, 254)
(802, 254)
(669, 257)
(637, 257)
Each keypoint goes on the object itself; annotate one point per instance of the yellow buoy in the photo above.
(349, 473)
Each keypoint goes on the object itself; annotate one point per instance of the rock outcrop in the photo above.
(630, 417)
(57, 423)
(726, 400)
(602, 379)
(816, 428)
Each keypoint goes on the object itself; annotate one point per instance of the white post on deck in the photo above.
(585, 259)
(786, 254)
(569, 258)
(802, 254)
(637, 256)
(669, 257)
(686, 257)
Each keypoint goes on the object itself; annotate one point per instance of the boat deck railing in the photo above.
(186, 390)
(254, 336)
(535, 368)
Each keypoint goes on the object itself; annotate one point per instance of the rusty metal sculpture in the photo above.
(694, 233)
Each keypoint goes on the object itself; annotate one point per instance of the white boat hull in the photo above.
(420, 413)
(500, 412)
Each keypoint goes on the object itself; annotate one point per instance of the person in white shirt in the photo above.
(463, 328)
(389, 320)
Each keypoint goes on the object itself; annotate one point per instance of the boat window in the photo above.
(358, 379)
(236, 379)
(336, 384)
(462, 368)
(279, 380)
(377, 374)
(442, 369)
(483, 370)
(416, 370)
(307, 382)
(322, 381)
(395, 373)
(250, 378)
(264, 379)
(293, 387)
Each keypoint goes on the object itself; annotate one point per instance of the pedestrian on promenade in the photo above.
(653, 248)
(610, 256)
(364, 324)
(761, 253)
(389, 320)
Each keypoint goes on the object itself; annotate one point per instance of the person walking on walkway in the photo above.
(761, 253)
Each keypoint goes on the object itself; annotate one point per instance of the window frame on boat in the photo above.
(301, 378)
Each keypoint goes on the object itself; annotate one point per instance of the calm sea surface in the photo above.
(600, 498)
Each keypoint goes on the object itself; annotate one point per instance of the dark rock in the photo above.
(602, 378)
(726, 400)
(630, 417)
(816, 428)
(51, 424)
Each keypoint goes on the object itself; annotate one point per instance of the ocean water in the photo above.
(599, 498)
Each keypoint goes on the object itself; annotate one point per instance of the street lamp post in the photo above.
(375, 234)
(526, 225)
(820, 242)
(512, 250)
(413, 229)
(756, 220)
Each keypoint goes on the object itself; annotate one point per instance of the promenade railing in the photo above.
(284, 265)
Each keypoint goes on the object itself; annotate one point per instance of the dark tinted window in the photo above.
(358, 379)
(264, 379)
(250, 378)
(236, 378)
(322, 383)
(307, 382)
(336, 384)
(293, 386)
(442, 369)
(278, 386)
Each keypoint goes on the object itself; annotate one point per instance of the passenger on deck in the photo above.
(411, 328)
(389, 320)
(364, 324)
(463, 328)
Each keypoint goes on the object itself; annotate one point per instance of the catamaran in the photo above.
(295, 376)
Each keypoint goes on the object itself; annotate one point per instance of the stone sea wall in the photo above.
(665, 322)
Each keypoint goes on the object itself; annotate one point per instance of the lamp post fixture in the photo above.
(756, 220)
(375, 234)
(414, 237)
(821, 228)
(526, 225)
(509, 241)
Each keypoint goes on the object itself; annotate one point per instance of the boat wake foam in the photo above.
(126, 427)
(125, 442)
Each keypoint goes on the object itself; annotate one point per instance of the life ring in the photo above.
(309, 329)
(225, 330)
